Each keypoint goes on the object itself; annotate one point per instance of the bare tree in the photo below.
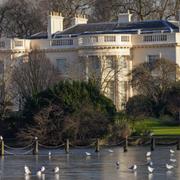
(34, 74)
(20, 18)
(166, 9)
(109, 74)
(104, 10)
(69, 8)
(154, 80)
(6, 89)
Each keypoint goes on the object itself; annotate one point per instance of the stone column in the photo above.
(116, 81)
(87, 68)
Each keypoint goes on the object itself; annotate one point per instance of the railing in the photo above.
(124, 40)
(105, 40)
(159, 38)
(34, 146)
(14, 44)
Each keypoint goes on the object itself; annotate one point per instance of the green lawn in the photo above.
(158, 127)
(164, 130)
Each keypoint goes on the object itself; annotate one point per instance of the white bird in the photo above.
(49, 153)
(172, 151)
(148, 154)
(88, 154)
(169, 167)
(110, 150)
(39, 173)
(56, 170)
(43, 169)
(150, 169)
(150, 163)
(117, 163)
(27, 170)
(173, 160)
(133, 167)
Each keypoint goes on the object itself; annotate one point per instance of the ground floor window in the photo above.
(61, 65)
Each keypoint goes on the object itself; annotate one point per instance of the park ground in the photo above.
(159, 127)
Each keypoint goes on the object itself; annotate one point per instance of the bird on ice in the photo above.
(171, 151)
(150, 169)
(39, 173)
(27, 170)
(169, 167)
(43, 169)
(150, 163)
(88, 154)
(117, 163)
(173, 160)
(110, 150)
(56, 170)
(49, 153)
(133, 167)
(148, 154)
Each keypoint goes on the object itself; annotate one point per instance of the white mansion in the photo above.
(108, 50)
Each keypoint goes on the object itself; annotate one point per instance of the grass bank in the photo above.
(157, 127)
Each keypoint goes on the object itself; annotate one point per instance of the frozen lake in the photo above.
(100, 166)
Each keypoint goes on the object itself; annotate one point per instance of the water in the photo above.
(100, 166)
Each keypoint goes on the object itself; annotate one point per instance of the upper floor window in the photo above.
(109, 38)
(18, 43)
(93, 39)
(125, 38)
(62, 42)
(152, 38)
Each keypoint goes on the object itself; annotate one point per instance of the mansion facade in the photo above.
(105, 51)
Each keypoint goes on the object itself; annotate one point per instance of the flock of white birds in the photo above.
(133, 168)
(150, 168)
(41, 171)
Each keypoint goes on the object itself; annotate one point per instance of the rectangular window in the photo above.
(95, 62)
(152, 59)
(93, 39)
(124, 38)
(1, 67)
(109, 38)
(123, 62)
(123, 91)
(81, 41)
(2, 44)
(111, 89)
(154, 38)
(61, 65)
(110, 62)
(18, 43)
(62, 42)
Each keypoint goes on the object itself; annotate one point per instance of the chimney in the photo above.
(55, 23)
(178, 19)
(79, 20)
(124, 17)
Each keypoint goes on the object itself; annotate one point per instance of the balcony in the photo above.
(105, 40)
(154, 39)
(14, 44)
